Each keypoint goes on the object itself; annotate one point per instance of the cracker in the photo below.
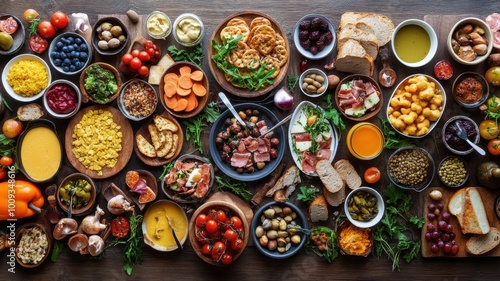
(163, 124)
(263, 29)
(264, 43)
(281, 54)
(251, 59)
(236, 22)
(144, 146)
(259, 21)
(271, 63)
(229, 32)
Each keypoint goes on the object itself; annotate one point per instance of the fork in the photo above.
(462, 133)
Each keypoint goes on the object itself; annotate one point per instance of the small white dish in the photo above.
(432, 37)
(306, 53)
(380, 205)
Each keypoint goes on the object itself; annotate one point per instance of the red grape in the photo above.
(454, 249)
(445, 216)
(440, 206)
(431, 216)
(447, 248)
(431, 207)
(434, 248)
(431, 227)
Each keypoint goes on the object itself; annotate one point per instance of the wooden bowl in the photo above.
(368, 113)
(202, 101)
(219, 75)
(222, 203)
(150, 181)
(86, 96)
(24, 230)
(95, 39)
(93, 194)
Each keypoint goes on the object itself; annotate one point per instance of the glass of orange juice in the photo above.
(365, 141)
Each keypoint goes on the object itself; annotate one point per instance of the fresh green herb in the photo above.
(333, 115)
(7, 105)
(392, 139)
(238, 188)
(330, 252)
(492, 115)
(316, 128)
(254, 81)
(195, 125)
(392, 235)
(195, 56)
(131, 248)
(307, 194)
(7, 146)
(100, 83)
(166, 170)
(34, 26)
(291, 82)
(56, 251)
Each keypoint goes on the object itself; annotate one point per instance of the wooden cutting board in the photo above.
(487, 195)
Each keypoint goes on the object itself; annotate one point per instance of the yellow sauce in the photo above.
(365, 141)
(412, 43)
(41, 153)
(158, 25)
(157, 229)
(188, 30)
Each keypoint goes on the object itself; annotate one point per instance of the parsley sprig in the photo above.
(307, 194)
(195, 56)
(238, 188)
(333, 115)
(195, 125)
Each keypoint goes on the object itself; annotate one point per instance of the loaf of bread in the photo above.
(466, 204)
(368, 40)
(348, 173)
(382, 26)
(290, 177)
(318, 209)
(480, 244)
(353, 58)
(330, 178)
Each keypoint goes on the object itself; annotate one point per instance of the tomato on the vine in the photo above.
(144, 56)
(30, 14)
(493, 75)
(218, 250)
(237, 244)
(59, 19)
(38, 44)
(120, 227)
(3, 173)
(127, 58)
(227, 258)
(148, 44)
(12, 128)
(143, 70)
(135, 63)
(230, 234)
(372, 175)
(211, 226)
(220, 216)
(493, 147)
(488, 129)
(236, 221)
(135, 53)
(6, 161)
(201, 235)
(46, 29)
(201, 220)
(206, 249)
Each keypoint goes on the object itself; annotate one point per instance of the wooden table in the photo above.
(252, 265)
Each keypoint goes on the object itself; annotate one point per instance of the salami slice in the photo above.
(8, 25)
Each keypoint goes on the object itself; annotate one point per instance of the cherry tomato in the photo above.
(143, 70)
(237, 244)
(201, 220)
(206, 249)
(236, 221)
(144, 56)
(135, 63)
(30, 14)
(493, 147)
(46, 29)
(493, 75)
(12, 128)
(211, 226)
(230, 234)
(372, 175)
(201, 235)
(151, 51)
(6, 161)
(227, 258)
(127, 58)
(120, 227)
(493, 104)
(148, 44)
(59, 19)
(488, 129)
(3, 173)
(38, 44)
(135, 53)
(218, 250)
(220, 216)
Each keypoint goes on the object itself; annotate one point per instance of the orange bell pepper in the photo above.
(19, 199)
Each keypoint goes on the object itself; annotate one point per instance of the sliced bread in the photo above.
(368, 40)
(475, 220)
(456, 204)
(382, 26)
(348, 173)
(30, 112)
(330, 178)
(290, 177)
(334, 199)
(318, 209)
(480, 244)
(353, 58)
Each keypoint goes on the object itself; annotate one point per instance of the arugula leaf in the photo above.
(306, 194)
(166, 170)
(131, 248)
(195, 56)
(238, 188)
(418, 221)
(330, 252)
(392, 139)
(291, 82)
(333, 115)
(195, 125)
(492, 115)
(56, 251)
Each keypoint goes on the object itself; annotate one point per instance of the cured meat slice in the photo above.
(240, 160)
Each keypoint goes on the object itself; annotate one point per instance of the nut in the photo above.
(436, 195)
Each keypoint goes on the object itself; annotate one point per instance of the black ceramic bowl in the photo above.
(18, 37)
(220, 126)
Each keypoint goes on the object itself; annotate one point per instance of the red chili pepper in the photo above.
(303, 65)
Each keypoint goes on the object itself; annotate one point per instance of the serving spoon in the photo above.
(173, 233)
(462, 133)
(228, 104)
(70, 207)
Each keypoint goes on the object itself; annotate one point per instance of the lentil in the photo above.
(452, 171)
(409, 167)
(139, 99)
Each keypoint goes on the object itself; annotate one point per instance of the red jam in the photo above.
(443, 70)
(61, 98)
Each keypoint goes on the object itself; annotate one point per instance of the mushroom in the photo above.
(65, 227)
(466, 53)
(96, 245)
(79, 243)
(119, 205)
(91, 224)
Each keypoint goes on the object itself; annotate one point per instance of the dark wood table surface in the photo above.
(251, 265)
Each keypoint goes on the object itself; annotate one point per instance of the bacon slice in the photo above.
(240, 160)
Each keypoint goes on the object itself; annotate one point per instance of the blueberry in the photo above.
(78, 64)
(54, 54)
(66, 61)
(63, 55)
(83, 48)
(66, 68)
(65, 49)
(71, 40)
(72, 68)
(83, 56)
(77, 54)
(59, 45)
(74, 60)
(72, 54)
(78, 41)
(63, 41)
(71, 48)
(57, 62)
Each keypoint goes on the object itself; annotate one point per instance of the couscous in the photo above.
(28, 77)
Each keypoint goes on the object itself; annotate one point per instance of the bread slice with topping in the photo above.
(480, 244)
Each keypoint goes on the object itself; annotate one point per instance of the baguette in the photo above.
(330, 178)
(163, 124)
(480, 244)
(290, 177)
(382, 26)
(145, 147)
(348, 173)
(318, 209)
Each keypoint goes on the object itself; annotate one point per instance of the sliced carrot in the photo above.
(197, 75)
(170, 76)
(185, 81)
(170, 89)
(199, 89)
(192, 102)
(183, 92)
(185, 70)
(181, 104)
(171, 102)
(171, 79)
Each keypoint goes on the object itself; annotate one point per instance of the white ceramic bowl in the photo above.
(432, 36)
(380, 205)
(306, 74)
(306, 53)
(6, 70)
(474, 22)
(78, 99)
